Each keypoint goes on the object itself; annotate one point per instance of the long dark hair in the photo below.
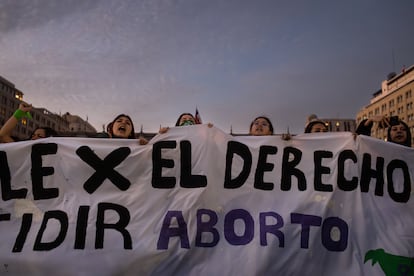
(308, 127)
(407, 141)
(179, 118)
(49, 132)
(262, 117)
(110, 127)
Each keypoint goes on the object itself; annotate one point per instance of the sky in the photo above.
(233, 60)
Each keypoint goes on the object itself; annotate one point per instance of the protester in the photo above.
(23, 112)
(185, 119)
(261, 126)
(122, 127)
(7, 129)
(43, 132)
(398, 131)
(315, 126)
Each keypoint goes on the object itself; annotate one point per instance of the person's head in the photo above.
(399, 133)
(316, 126)
(185, 119)
(42, 132)
(121, 127)
(261, 126)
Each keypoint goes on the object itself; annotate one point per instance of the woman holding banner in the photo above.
(314, 125)
(23, 112)
(185, 119)
(122, 127)
(398, 131)
(261, 126)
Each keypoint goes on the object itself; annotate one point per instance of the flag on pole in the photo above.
(197, 117)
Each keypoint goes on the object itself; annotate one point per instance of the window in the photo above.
(347, 126)
(337, 124)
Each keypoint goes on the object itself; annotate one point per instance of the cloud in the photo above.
(234, 59)
(22, 14)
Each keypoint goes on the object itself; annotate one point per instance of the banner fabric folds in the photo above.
(197, 201)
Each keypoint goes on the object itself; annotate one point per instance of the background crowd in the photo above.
(122, 127)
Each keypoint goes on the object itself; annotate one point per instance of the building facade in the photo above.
(11, 97)
(333, 124)
(339, 124)
(77, 125)
(394, 99)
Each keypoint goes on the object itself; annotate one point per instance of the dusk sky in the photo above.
(233, 59)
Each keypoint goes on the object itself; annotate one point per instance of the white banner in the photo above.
(197, 201)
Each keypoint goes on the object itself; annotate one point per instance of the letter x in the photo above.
(104, 168)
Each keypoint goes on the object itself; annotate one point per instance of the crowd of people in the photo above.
(122, 127)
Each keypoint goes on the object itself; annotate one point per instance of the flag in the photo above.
(197, 117)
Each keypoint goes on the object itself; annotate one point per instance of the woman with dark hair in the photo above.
(261, 126)
(122, 127)
(315, 126)
(42, 132)
(398, 131)
(185, 119)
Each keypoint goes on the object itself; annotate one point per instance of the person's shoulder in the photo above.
(102, 135)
